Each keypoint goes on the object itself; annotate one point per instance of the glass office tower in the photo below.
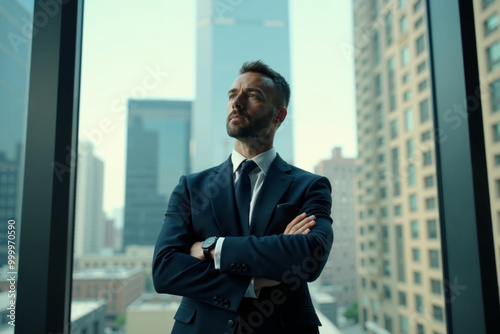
(229, 34)
(157, 155)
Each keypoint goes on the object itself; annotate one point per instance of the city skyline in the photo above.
(138, 67)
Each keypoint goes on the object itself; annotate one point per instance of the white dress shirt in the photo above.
(257, 176)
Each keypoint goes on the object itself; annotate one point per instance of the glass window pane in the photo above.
(15, 55)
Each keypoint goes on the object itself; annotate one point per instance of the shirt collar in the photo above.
(263, 160)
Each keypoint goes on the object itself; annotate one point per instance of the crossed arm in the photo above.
(177, 268)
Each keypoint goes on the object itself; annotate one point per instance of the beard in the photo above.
(247, 128)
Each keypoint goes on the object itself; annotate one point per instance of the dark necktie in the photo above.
(243, 193)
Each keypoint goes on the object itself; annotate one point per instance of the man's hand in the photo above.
(197, 252)
(300, 225)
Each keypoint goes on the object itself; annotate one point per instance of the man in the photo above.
(244, 268)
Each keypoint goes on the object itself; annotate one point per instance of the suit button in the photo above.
(227, 303)
(244, 267)
(238, 267)
(230, 323)
(215, 300)
(233, 267)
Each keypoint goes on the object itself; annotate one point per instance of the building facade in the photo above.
(486, 14)
(218, 59)
(158, 140)
(339, 275)
(400, 279)
(119, 287)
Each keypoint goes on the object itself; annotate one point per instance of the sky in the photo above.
(147, 49)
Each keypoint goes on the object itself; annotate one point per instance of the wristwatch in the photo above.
(207, 246)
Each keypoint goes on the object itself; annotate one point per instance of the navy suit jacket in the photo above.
(203, 205)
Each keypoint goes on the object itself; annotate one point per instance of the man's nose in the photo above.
(237, 102)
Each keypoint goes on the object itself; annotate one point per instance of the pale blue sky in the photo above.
(125, 42)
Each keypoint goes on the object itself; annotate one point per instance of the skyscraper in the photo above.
(339, 275)
(228, 34)
(400, 279)
(89, 215)
(486, 16)
(158, 140)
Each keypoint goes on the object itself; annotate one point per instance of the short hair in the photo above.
(259, 66)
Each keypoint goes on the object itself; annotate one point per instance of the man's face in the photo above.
(251, 110)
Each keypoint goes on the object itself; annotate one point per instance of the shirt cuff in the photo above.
(218, 251)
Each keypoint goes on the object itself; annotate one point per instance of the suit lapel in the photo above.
(278, 180)
(223, 203)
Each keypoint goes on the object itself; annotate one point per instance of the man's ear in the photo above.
(280, 115)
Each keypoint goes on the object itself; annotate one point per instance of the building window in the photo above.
(422, 66)
(402, 298)
(436, 286)
(407, 95)
(496, 132)
(388, 322)
(420, 44)
(417, 277)
(376, 49)
(491, 24)
(406, 78)
(486, 3)
(403, 321)
(387, 268)
(430, 203)
(394, 128)
(494, 56)
(380, 141)
(408, 119)
(419, 304)
(427, 158)
(413, 203)
(405, 56)
(429, 181)
(422, 85)
(437, 313)
(385, 239)
(417, 5)
(414, 229)
(403, 26)
(415, 254)
(412, 178)
(426, 136)
(410, 145)
(420, 329)
(388, 28)
(419, 22)
(387, 292)
(424, 111)
(378, 85)
(495, 95)
(432, 229)
(398, 210)
(434, 259)
(402, 3)
(381, 158)
(497, 160)
(383, 210)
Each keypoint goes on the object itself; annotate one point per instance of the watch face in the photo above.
(209, 242)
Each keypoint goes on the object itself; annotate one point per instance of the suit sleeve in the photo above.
(286, 258)
(175, 271)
